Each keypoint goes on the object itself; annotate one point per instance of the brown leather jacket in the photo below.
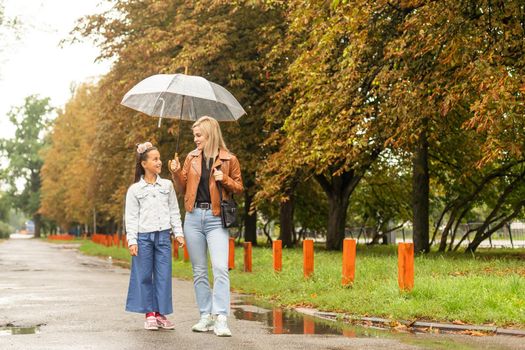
(187, 179)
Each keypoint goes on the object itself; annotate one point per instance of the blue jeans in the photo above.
(203, 232)
(150, 280)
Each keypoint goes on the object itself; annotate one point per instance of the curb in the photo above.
(387, 323)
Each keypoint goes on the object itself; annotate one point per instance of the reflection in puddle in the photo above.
(16, 330)
(285, 321)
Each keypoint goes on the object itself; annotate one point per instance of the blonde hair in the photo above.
(212, 132)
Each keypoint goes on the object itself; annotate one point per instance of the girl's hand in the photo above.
(218, 174)
(174, 165)
(180, 241)
(134, 250)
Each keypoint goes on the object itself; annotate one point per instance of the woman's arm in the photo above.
(232, 181)
(180, 177)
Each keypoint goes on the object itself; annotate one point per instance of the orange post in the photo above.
(277, 255)
(186, 254)
(277, 321)
(308, 257)
(247, 256)
(308, 325)
(405, 266)
(348, 261)
(350, 333)
(231, 253)
(409, 266)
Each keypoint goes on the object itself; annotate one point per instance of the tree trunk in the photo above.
(420, 195)
(250, 221)
(336, 221)
(37, 219)
(338, 191)
(286, 222)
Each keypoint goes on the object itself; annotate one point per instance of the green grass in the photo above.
(488, 288)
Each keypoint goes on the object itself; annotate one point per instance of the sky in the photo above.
(35, 63)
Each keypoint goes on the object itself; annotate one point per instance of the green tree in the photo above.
(24, 155)
(332, 127)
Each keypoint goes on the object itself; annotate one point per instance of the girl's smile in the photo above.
(153, 164)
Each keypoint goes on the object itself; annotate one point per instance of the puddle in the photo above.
(286, 321)
(17, 330)
(281, 321)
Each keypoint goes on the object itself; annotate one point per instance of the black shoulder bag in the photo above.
(228, 209)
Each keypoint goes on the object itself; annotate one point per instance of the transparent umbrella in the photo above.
(183, 97)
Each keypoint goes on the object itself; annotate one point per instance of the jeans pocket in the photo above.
(165, 238)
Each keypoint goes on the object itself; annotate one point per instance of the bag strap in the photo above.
(219, 185)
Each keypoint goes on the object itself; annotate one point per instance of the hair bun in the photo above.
(143, 147)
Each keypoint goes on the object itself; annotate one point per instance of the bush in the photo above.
(5, 230)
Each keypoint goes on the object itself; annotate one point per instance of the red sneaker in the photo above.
(164, 323)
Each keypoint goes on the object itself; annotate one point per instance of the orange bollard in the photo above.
(308, 325)
(186, 254)
(247, 256)
(350, 333)
(308, 257)
(348, 261)
(277, 255)
(409, 266)
(231, 254)
(405, 266)
(277, 321)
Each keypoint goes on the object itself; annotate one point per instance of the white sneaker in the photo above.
(221, 327)
(205, 324)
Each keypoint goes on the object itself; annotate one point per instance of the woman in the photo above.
(210, 163)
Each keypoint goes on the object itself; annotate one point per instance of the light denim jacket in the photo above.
(151, 207)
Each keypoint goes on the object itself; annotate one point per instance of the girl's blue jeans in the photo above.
(150, 280)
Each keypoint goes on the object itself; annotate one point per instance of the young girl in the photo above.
(151, 213)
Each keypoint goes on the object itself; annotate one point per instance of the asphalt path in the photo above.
(78, 301)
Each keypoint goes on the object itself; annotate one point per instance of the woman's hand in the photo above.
(218, 175)
(134, 250)
(174, 165)
(180, 241)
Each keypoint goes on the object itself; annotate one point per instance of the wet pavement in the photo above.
(52, 297)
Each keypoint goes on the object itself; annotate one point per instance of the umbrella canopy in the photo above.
(184, 97)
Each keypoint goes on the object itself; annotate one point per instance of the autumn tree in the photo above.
(454, 58)
(219, 40)
(68, 174)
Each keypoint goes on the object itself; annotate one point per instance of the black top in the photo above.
(203, 191)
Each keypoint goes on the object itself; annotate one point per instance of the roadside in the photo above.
(72, 301)
(486, 290)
